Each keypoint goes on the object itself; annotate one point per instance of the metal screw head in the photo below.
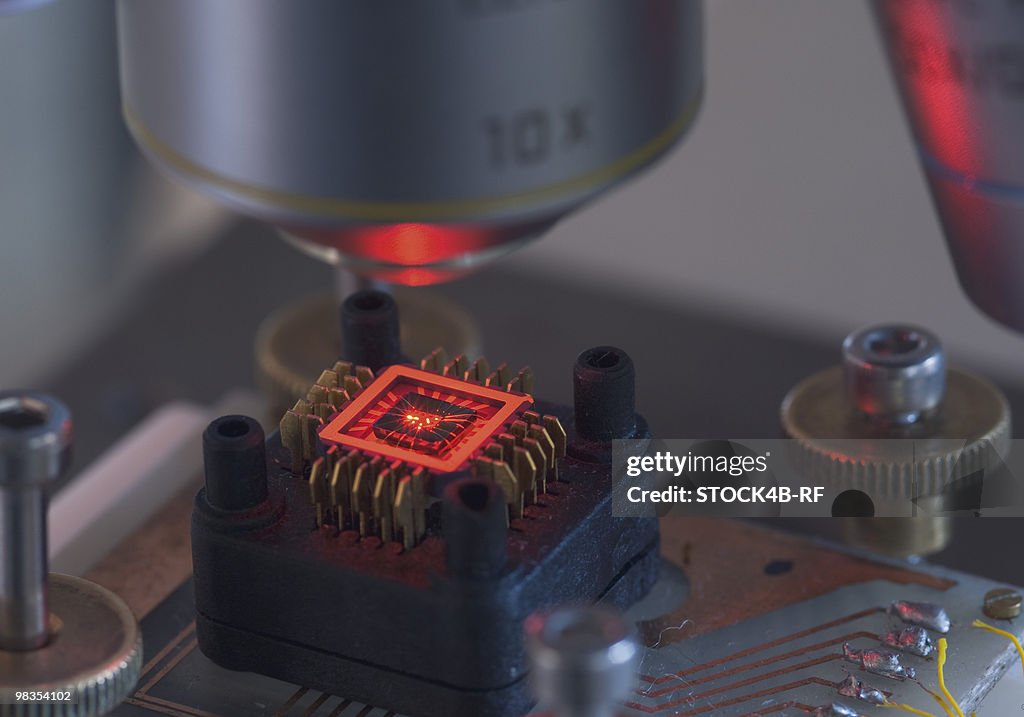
(895, 373)
(583, 660)
(1002, 604)
(35, 439)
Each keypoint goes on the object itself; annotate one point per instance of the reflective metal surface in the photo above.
(894, 384)
(424, 135)
(96, 656)
(583, 660)
(958, 67)
(35, 436)
(894, 373)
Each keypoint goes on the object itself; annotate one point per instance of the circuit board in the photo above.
(743, 621)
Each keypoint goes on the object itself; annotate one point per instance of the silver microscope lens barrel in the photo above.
(477, 123)
(959, 66)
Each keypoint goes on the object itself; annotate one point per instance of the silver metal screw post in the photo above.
(35, 438)
(894, 373)
(583, 660)
(896, 420)
(91, 646)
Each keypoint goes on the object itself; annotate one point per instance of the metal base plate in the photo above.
(758, 634)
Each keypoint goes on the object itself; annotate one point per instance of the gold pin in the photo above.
(343, 369)
(405, 519)
(494, 451)
(508, 443)
(365, 375)
(297, 432)
(526, 379)
(541, 436)
(503, 476)
(526, 473)
(519, 429)
(362, 497)
(540, 461)
(410, 508)
(337, 398)
(352, 385)
(318, 488)
(434, 361)
(383, 504)
(341, 486)
(310, 425)
(419, 495)
(328, 378)
(499, 377)
(331, 512)
(316, 394)
(291, 438)
(557, 432)
(506, 479)
(483, 467)
(456, 368)
(477, 373)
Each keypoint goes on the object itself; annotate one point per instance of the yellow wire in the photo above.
(938, 699)
(907, 708)
(943, 705)
(942, 678)
(1008, 635)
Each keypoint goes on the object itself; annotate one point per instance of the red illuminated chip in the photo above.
(423, 423)
(423, 419)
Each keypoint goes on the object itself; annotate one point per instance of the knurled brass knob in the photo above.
(894, 384)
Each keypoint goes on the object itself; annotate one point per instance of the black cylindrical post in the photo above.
(604, 394)
(235, 461)
(475, 525)
(369, 329)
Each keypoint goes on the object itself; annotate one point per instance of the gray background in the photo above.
(796, 201)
